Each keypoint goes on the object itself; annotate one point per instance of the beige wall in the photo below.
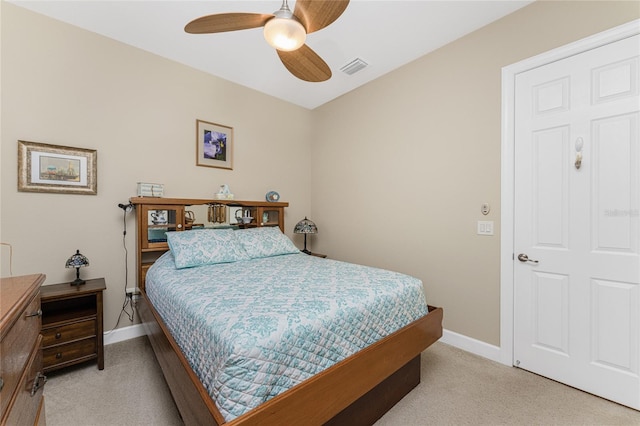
(63, 85)
(393, 173)
(402, 165)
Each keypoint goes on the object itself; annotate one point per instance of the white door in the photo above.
(577, 215)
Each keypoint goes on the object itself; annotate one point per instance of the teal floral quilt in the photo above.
(254, 328)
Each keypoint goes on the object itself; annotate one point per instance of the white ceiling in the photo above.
(385, 34)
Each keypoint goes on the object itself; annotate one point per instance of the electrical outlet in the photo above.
(132, 290)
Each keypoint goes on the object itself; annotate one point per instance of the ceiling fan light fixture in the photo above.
(285, 34)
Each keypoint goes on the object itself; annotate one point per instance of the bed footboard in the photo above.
(355, 391)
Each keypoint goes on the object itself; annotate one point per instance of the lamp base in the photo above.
(77, 281)
(304, 250)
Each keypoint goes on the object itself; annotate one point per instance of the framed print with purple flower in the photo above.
(214, 145)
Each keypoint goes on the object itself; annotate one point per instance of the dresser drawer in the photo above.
(58, 356)
(68, 333)
(16, 347)
(26, 406)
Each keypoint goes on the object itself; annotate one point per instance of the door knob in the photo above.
(524, 258)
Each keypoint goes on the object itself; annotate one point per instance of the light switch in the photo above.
(485, 227)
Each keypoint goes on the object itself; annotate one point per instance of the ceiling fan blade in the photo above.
(317, 14)
(223, 22)
(305, 64)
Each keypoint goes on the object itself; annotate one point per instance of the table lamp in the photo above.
(77, 261)
(305, 226)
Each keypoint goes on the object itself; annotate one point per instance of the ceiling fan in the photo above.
(283, 30)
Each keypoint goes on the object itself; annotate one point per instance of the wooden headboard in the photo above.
(155, 216)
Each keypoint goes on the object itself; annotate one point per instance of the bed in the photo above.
(345, 376)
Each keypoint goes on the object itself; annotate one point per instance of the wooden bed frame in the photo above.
(355, 391)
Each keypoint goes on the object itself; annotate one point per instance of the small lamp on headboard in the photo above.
(77, 260)
(305, 226)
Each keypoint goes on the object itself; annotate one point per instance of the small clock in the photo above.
(272, 196)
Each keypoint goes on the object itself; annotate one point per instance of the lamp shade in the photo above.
(305, 226)
(284, 34)
(77, 260)
(284, 31)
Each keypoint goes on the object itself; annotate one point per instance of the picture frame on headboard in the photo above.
(214, 145)
(56, 168)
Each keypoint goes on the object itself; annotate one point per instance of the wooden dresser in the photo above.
(21, 378)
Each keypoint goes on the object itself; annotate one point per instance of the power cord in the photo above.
(128, 302)
(127, 296)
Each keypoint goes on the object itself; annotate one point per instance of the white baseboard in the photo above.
(123, 333)
(469, 344)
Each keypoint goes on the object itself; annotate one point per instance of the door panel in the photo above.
(551, 320)
(614, 309)
(615, 186)
(577, 213)
(551, 96)
(551, 203)
(615, 81)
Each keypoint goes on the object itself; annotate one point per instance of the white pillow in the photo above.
(205, 247)
(265, 242)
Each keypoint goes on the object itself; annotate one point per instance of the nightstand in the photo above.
(72, 328)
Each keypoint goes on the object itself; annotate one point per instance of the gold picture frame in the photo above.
(58, 169)
(214, 145)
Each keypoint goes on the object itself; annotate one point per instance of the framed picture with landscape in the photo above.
(55, 168)
(214, 145)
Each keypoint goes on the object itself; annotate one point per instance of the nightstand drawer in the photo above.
(58, 356)
(68, 333)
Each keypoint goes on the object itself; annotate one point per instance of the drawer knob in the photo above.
(38, 382)
(59, 355)
(58, 335)
(37, 313)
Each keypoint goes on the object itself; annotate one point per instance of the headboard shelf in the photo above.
(201, 201)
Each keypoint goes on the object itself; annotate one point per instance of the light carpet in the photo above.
(457, 388)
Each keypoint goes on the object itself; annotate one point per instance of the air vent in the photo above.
(354, 66)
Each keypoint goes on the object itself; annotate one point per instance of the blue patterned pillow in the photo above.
(205, 247)
(265, 241)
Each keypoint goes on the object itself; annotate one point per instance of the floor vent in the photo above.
(354, 66)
